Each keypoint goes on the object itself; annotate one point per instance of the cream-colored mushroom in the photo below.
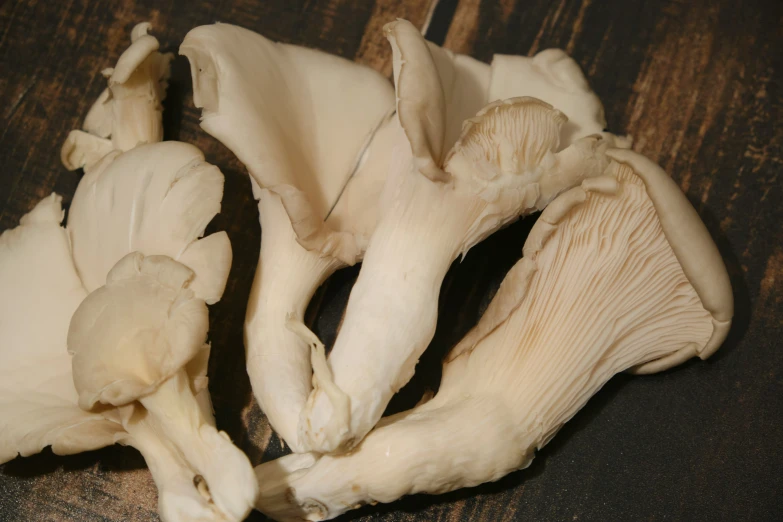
(129, 111)
(617, 274)
(315, 134)
(140, 338)
(450, 185)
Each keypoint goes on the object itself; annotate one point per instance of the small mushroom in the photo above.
(618, 274)
(129, 111)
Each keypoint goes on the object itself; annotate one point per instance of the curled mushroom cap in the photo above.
(463, 169)
(315, 134)
(137, 331)
(618, 273)
(298, 119)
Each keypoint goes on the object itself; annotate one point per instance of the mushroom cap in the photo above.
(552, 76)
(135, 332)
(633, 197)
(38, 404)
(155, 199)
(694, 248)
(438, 90)
(302, 122)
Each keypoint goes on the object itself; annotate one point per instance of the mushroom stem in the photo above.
(278, 360)
(225, 469)
(400, 457)
(179, 499)
(392, 311)
(400, 280)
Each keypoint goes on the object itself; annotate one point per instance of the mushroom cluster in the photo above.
(123, 291)
(618, 274)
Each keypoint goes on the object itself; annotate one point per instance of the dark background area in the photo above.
(697, 85)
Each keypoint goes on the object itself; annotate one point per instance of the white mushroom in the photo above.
(315, 134)
(450, 185)
(617, 274)
(138, 324)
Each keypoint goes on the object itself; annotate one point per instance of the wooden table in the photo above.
(697, 84)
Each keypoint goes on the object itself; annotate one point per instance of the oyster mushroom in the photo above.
(314, 131)
(450, 185)
(618, 274)
(140, 338)
(129, 111)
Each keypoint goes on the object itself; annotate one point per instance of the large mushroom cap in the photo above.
(299, 120)
(694, 248)
(135, 332)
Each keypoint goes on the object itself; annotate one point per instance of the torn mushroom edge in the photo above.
(684, 230)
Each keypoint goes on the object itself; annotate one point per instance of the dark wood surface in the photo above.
(696, 83)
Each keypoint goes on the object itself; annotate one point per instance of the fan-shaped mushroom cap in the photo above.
(297, 118)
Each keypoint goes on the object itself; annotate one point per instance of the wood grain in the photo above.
(696, 83)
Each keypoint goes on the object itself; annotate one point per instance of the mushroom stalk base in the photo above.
(221, 471)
